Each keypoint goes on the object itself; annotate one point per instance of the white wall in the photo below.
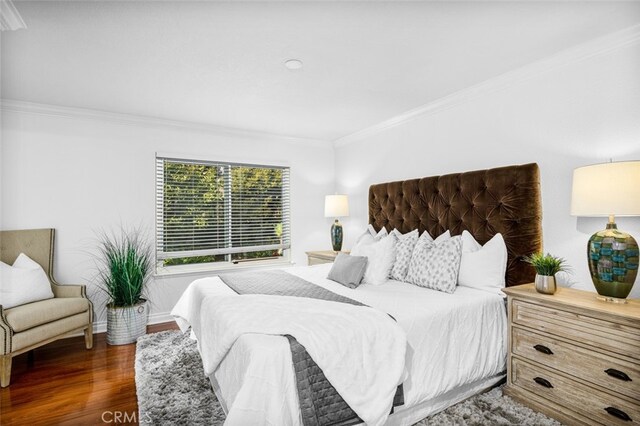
(582, 113)
(82, 175)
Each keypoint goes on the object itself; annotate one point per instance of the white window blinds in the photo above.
(220, 212)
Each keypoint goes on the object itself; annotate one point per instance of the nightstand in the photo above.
(573, 357)
(322, 256)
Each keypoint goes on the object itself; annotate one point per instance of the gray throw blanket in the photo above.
(320, 403)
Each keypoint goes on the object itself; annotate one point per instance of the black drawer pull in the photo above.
(618, 413)
(543, 349)
(542, 382)
(618, 374)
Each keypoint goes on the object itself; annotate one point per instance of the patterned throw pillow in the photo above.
(436, 266)
(420, 251)
(444, 236)
(404, 247)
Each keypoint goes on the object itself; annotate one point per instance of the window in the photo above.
(222, 213)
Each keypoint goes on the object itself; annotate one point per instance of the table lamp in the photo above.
(609, 189)
(336, 206)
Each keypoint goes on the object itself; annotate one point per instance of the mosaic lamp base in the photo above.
(613, 262)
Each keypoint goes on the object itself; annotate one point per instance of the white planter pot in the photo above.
(126, 324)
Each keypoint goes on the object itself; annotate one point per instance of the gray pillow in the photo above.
(348, 270)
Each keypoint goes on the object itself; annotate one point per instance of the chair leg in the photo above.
(88, 336)
(5, 370)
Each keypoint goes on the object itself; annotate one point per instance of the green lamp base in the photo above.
(336, 236)
(613, 263)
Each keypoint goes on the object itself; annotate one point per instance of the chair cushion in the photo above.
(31, 315)
(37, 335)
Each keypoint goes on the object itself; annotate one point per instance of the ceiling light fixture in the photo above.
(293, 64)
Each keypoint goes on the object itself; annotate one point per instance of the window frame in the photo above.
(195, 268)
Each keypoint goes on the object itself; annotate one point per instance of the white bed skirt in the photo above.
(410, 415)
(407, 416)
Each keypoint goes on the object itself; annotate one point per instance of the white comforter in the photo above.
(360, 350)
(453, 340)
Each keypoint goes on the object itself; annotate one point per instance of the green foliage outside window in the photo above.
(219, 206)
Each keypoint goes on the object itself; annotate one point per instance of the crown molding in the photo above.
(10, 18)
(34, 108)
(597, 47)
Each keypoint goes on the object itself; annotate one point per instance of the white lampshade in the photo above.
(606, 189)
(336, 206)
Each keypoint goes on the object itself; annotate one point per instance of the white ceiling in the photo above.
(222, 63)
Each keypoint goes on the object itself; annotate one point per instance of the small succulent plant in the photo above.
(546, 264)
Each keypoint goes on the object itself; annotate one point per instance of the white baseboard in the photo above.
(157, 318)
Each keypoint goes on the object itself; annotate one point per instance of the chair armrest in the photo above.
(60, 290)
(5, 334)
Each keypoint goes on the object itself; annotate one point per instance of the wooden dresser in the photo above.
(573, 357)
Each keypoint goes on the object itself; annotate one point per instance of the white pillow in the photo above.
(380, 257)
(469, 244)
(370, 235)
(381, 234)
(22, 283)
(404, 248)
(483, 266)
(436, 266)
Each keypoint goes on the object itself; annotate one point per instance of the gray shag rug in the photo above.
(173, 390)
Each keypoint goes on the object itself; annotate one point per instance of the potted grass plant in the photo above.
(124, 268)
(546, 266)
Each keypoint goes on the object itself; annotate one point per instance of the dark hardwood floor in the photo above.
(62, 383)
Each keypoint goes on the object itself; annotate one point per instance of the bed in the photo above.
(456, 343)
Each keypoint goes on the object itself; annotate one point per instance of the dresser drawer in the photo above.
(600, 369)
(617, 338)
(593, 404)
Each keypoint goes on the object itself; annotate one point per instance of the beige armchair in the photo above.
(28, 326)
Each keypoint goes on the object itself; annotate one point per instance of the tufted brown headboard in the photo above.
(483, 202)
